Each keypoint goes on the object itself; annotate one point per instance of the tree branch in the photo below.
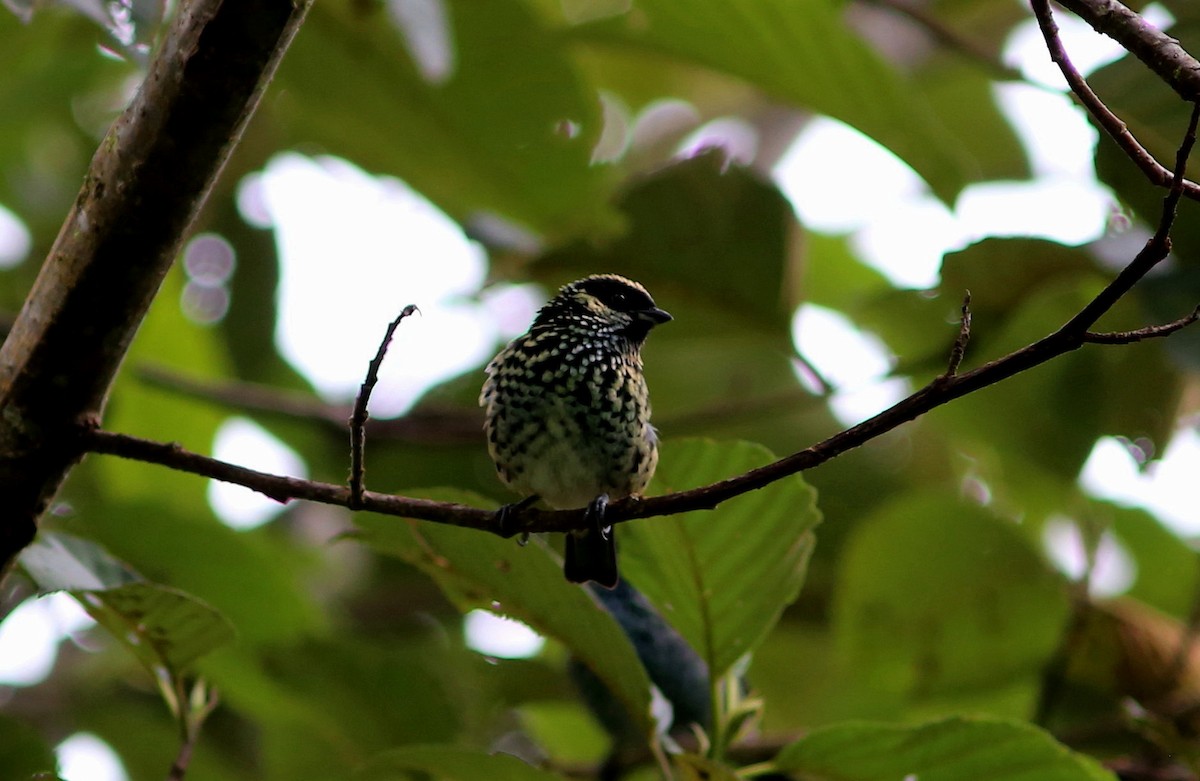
(142, 191)
(1158, 174)
(358, 419)
(1159, 51)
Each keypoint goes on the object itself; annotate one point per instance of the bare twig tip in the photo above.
(358, 418)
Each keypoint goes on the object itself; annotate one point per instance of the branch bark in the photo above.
(1160, 52)
(144, 187)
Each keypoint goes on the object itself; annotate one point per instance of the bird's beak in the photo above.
(655, 315)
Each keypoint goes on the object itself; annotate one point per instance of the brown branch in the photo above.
(141, 193)
(1140, 334)
(358, 419)
(943, 389)
(1159, 51)
(284, 489)
(1116, 128)
(959, 350)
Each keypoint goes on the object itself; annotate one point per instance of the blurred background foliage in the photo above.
(927, 599)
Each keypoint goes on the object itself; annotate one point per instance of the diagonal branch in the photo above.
(1141, 334)
(1157, 173)
(1160, 52)
(144, 187)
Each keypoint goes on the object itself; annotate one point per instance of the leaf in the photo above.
(939, 600)
(164, 627)
(449, 764)
(982, 749)
(254, 577)
(62, 562)
(803, 53)
(688, 224)
(491, 136)
(479, 570)
(723, 577)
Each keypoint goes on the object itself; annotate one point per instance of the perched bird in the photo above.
(568, 415)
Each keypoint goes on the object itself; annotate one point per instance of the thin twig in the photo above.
(192, 717)
(1159, 51)
(358, 418)
(1140, 334)
(959, 350)
(1157, 173)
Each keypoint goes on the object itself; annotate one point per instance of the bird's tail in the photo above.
(591, 554)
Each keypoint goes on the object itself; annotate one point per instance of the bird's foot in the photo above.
(594, 515)
(504, 518)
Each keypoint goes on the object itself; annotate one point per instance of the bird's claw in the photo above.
(504, 519)
(595, 513)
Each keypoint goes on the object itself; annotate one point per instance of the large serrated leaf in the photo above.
(804, 53)
(479, 570)
(449, 764)
(981, 749)
(722, 577)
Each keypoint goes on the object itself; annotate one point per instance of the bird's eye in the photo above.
(620, 298)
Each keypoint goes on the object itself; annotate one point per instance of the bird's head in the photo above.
(604, 303)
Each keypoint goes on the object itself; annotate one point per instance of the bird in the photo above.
(567, 412)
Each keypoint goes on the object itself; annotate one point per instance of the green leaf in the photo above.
(449, 764)
(164, 627)
(254, 577)
(722, 577)
(62, 562)
(804, 53)
(480, 570)
(980, 749)
(490, 137)
(940, 602)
